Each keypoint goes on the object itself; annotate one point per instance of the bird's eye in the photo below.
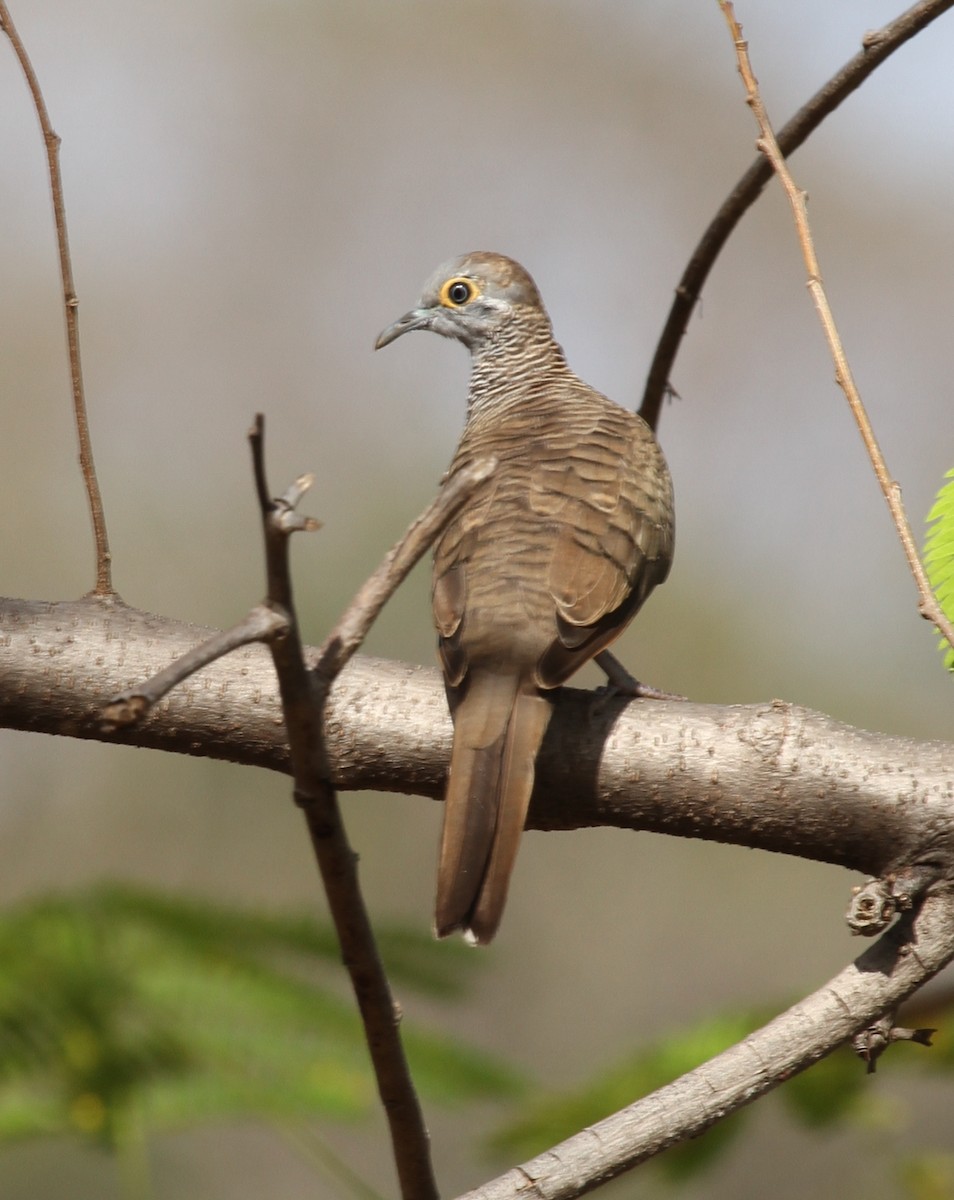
(456, 292)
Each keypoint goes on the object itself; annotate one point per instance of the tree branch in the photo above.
(51, 140)
(302, 709)
(260, 624)
(900, 962)
(771, 776)
(876, 48)
(928, 607)
(352, 629)
(303, 695)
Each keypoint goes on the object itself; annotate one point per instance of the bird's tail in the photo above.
(498, 727)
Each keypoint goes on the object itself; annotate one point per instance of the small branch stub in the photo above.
(872, 1041)
(872, 908)
(124, 711)
(876, 903)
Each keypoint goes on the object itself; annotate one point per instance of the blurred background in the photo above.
(255, 188)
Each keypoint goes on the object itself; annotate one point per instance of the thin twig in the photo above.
(768, 145)
(352, 628)
(876, 48)
(104, 579)
(303, 693)
(260, 625)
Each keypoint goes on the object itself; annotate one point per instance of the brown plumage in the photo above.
(543, 567)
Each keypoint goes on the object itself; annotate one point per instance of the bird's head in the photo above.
(473, 299)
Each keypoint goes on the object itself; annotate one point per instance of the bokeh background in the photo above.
(255, 188)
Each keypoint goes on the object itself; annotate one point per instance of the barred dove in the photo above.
(543, 567)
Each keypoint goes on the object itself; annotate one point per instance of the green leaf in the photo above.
(939, 556)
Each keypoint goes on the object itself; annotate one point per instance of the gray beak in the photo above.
(417, 318)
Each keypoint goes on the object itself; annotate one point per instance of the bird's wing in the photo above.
(610, 495)
(453, 550)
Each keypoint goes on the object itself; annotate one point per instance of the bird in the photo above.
(542, 568)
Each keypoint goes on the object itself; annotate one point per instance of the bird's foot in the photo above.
(619, 682)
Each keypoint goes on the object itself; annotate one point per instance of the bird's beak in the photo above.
(417, 318)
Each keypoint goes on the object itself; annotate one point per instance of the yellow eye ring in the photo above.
(458, 291)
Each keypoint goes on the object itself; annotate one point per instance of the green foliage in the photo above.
(125, 1012)
(939, 556)
(121, 1008)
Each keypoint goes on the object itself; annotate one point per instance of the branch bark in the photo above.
(771, 776)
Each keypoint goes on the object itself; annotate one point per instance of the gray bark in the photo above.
(771, 776)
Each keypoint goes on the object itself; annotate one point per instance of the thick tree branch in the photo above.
(771, 776)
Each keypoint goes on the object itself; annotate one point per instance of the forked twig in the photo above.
(337, 864)
(768, 145)
(876, 48)
(104, 579)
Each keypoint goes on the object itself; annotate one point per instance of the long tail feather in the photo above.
(498, 728)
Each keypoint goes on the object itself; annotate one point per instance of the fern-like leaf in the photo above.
(939, 556)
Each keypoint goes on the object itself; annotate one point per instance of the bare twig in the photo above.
(876, 48)
(303, 694)
(872, 1041)
(260, 625)
(263, 623)
(104, 581)
(768, 145)
(353, 627)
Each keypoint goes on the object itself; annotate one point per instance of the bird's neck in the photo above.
(510, 369)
